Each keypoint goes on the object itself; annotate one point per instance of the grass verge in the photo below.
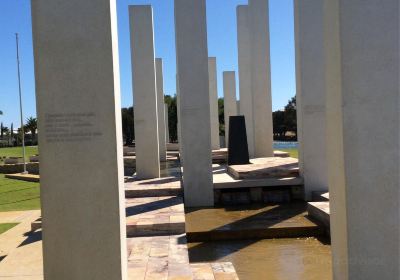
(5, 227)
(16, 195)
(17, 152)
(293, 152)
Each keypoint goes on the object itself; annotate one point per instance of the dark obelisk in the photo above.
(238, 151)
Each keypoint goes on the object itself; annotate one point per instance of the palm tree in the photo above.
(31, 125)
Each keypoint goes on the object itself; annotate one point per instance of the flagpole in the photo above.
(20, 105)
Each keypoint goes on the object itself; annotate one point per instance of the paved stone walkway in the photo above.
(12, 238)
(158, 249)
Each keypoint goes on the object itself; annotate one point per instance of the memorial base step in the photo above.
(148, 216)
(254, 221)
(166, 186)
(320, 212)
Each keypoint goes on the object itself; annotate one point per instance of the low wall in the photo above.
(31, 167)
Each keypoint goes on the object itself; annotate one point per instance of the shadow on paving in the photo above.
(31, 237)
(152, 206)
(160, 181)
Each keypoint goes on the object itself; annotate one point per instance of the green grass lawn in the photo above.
(293, 152)
(5, 227)
(17, 152)
(18, 195)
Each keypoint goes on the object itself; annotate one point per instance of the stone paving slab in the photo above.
(222, 180)
(148, 216)
(158, 257)
(167, 186)
(217, 271)
(270, 167)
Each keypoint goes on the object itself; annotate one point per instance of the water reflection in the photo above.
(272, 259)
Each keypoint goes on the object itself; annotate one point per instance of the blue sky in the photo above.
(221, 25)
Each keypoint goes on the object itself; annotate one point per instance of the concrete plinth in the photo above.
(212, 76)
(244, 62)
(160, 110)
(362, 60)
(261, 78)
(191, 49)
(311, 95)
(80, 141)
(144, 92)
(230, 104)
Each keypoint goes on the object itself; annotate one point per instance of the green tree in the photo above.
(128, 125)
(221, 116)
(291, 116)
(172, 117)
(31, 126)
(278, 118)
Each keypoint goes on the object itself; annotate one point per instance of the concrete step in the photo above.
(320, 212)
(149, 216)
(262, 168)
(167, 186)
(24, 177)
(250, 222)
(320, 196)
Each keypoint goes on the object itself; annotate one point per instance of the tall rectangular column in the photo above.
(80, 140)
(363, 128)
(144, 92)
(245, 81)
(230, 104)
(192, 65)
(166, 114)
(160, 110)
(261, 78)
(311, 94)
(179, 123)
(212, 76)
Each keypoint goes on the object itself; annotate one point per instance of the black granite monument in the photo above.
(238, 151)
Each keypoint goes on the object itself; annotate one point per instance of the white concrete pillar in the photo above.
(179, 128)
(80, 140)
(144, 92)
(167, 140)
(244, 62)
(261, 78)
(212, 76)
(363, 137)
(334, 144)
(191, 49)
(311, 94)
(160, 110)
(230, 104)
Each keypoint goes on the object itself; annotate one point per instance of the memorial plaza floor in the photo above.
(167, 241)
